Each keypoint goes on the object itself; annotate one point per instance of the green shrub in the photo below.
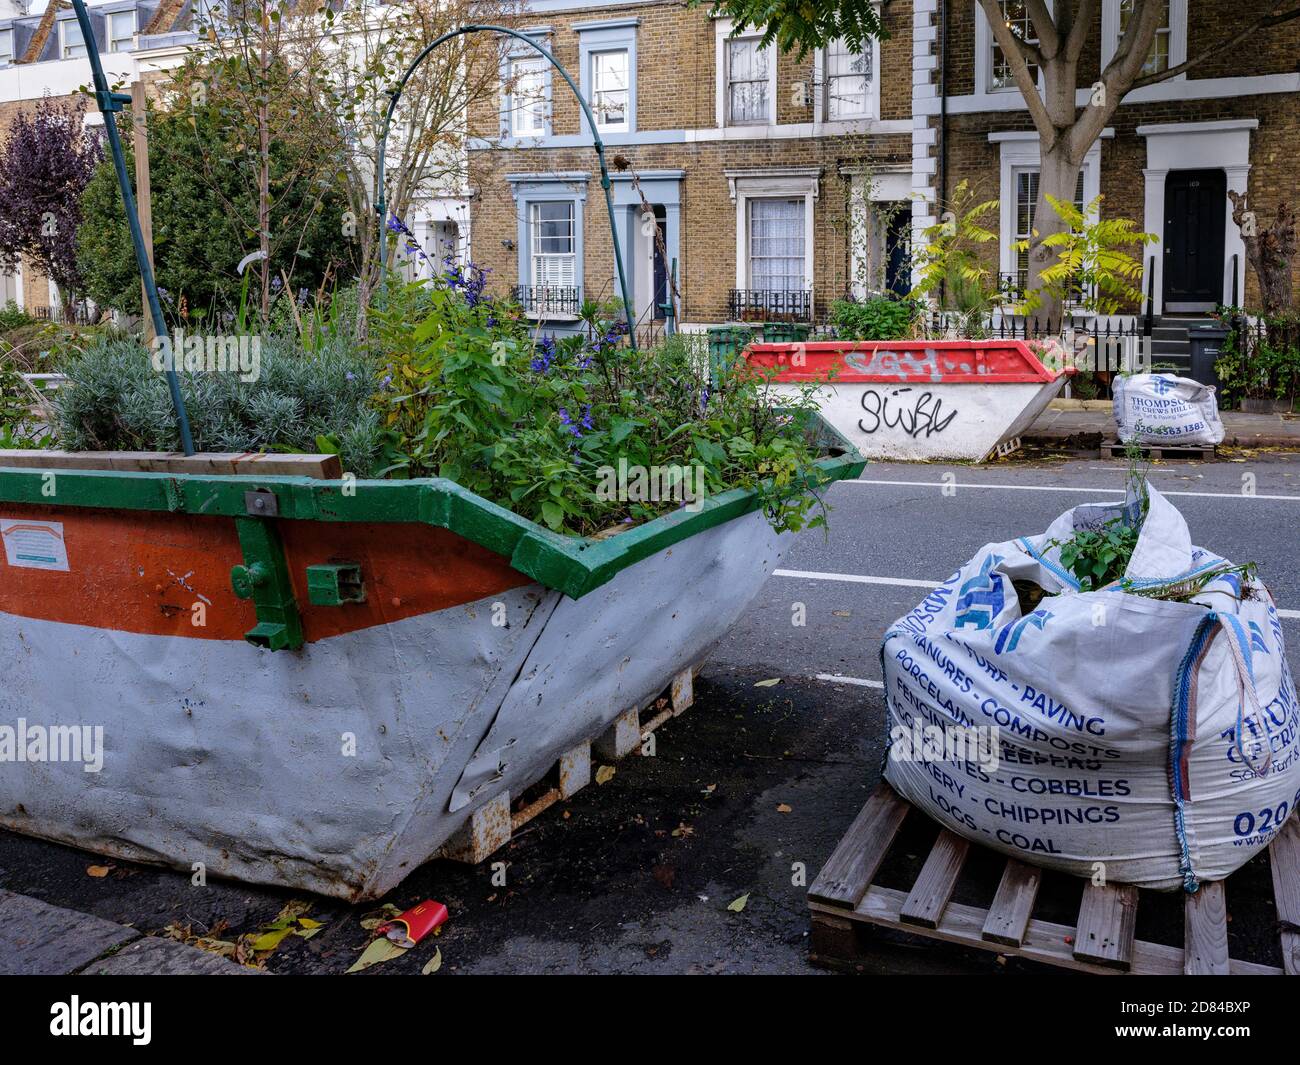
(543, 427)
(880, 318)
(301, 402)
(12, 317)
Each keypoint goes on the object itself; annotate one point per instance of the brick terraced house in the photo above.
(769, 180)
(1166, 160)
(742, 169)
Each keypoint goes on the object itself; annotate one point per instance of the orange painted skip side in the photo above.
(144, 573)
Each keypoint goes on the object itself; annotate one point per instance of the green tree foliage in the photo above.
(804, 24)
(204, 221)
(1092, 267)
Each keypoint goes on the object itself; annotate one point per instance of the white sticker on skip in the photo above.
(34, 544)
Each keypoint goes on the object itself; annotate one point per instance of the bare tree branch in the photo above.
(1078, 34)
(1025, 82)
(1276, 18)
(1049, 40)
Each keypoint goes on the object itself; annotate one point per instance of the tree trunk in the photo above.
(1058, 177)
(1270, 251)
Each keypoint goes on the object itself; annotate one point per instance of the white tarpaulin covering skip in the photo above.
(1155, 737)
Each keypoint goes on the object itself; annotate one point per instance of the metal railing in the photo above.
(543, 300)
(769, 305)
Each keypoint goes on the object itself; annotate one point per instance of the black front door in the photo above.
(1194, 221)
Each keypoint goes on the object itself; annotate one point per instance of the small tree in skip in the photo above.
(45, 165)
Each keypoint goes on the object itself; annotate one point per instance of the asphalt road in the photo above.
(750, 790)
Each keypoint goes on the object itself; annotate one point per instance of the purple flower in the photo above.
(349, 376)
(545, 355)
(387, 382)
(586, 418)
(568, 423)
(704, 398)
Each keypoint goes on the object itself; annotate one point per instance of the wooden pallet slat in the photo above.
(1205, 931)
(1045, 941)
(1013, 904)
(1107, 922)
(1284, 863)
(935, 883)
(1103, 942)
(854, 862)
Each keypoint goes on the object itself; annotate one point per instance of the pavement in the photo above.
(696, 860)
(1085, 430)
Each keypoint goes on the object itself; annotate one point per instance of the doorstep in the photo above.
(37, 939)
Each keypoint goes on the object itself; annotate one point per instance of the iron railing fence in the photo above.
(542, 300)
(769, 305)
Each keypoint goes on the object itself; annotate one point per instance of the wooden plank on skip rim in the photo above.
(1205, 931)
(1284, 861)
(1107, 922)
(317, 467)
(934, 886)
(1013, 904)
(845, 876)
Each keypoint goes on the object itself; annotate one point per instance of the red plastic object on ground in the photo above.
(407, 929)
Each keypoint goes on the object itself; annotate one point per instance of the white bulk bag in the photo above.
(1159, 408)
(1156, 737)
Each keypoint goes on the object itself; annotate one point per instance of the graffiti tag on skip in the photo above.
(914, 414)
(900, 364)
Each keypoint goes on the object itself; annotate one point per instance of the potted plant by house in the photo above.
(315, 671)
(1259, 361)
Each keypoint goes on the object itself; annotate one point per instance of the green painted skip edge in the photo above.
(570, 564)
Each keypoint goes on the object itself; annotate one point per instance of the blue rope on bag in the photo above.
(1244, 674)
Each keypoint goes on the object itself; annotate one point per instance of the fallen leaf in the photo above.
(372, 920)
(98, 871)
(434, 963)
(768, 683)
(782, 808)
(739, 904)
(270, 940)
(683, 831)
(379, 951)
(842, 613)
(605, 774)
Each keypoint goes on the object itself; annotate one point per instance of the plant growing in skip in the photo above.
(560, 430)
(115, 400)
(1093, 268)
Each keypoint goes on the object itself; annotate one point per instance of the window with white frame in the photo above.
(1158, 57)
(1015, 13)
(748, 82)
(777, 230)
(610, 96)
(6, 47)
(1026, 201)
(553, 239)
(528, 79)
(121, 31)
(72, 45)
(848, 82)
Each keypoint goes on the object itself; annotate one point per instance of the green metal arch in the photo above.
(110, 103)
(395, 96)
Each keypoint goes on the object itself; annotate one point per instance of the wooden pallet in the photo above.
(491, 826)
(844, 900)
(1115, 450)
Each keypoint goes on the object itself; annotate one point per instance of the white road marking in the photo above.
(1066, 488)
(837, 679)
(854, 578)
(903, 582)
